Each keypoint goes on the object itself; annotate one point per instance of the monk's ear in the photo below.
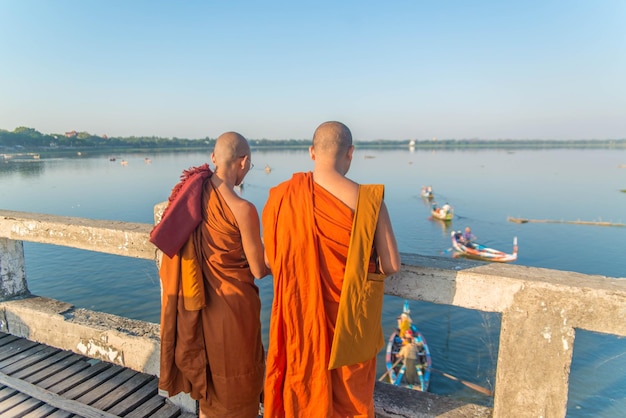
(213, 158)
(243, 162)
(312, 152)
(350, 152)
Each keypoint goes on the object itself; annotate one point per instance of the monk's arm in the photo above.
(250, 230)
(385, 242)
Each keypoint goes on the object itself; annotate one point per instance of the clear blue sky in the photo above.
(276, 69)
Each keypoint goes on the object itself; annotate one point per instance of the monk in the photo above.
(211, 343)
(310, 223)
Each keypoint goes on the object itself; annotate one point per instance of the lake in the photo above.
(485, 187)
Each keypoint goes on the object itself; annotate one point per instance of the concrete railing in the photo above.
(541, 307)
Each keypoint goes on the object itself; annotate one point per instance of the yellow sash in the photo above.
(358, 331)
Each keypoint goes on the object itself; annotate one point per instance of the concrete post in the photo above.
(536, 346)
(12, 273)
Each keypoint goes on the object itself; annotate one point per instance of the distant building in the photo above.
(71, 134)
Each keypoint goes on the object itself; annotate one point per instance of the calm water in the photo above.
(483, 186)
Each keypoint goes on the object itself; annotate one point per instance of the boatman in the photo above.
(211, 343)
(320, 231)
(409, 353)
(467, 235)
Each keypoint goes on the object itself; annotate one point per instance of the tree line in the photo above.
(31, 139)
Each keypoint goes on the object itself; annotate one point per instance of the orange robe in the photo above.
(211, 343)
(306, 233)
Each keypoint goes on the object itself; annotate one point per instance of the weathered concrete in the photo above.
(127, 342)
(541, 310)
(12, 276)
(110, 237)
(397, 402)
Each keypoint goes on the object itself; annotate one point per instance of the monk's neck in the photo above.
(220, 182)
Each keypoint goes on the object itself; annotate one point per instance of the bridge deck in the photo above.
(37, 380)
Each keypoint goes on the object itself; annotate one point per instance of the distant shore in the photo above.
(25, 140)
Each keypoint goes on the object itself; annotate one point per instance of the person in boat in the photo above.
(409, 353)
(211, 345)
(404, 323)
(467, 235)
(445, 209)
(316, 366)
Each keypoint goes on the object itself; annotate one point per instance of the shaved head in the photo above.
(332, 137)
(229, 146)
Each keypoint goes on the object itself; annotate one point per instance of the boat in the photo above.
(395, 368)
(443, 213)
(427, 192)
(472, 249)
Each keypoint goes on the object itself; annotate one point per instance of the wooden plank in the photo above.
(64, 375)
(42, 365)
(21, 355)
(43, 410)
(137, 398)
(101, 387)
(6, 393)
(29, 405)
(53, 399)
(7, 339)
(25, 362)
(146, 409)
(124, 390)
(59, 413)
(168, 410)
(10, 403)
(68, 383)
(16, 343)
(77, 389)
(12, 349)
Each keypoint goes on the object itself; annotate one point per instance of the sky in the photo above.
(536, 69)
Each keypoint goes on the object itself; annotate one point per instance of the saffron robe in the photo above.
(307, 232)
(211, 343)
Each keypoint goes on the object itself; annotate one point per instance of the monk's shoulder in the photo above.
(343, 189)
(243, 210)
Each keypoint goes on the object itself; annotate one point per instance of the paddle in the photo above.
(468, 384)
(387, 372)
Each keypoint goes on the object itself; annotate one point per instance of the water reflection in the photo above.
(24, 168)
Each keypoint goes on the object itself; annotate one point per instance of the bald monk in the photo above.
(211, 343)
(310, 223)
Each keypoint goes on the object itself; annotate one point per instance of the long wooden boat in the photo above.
(395, 369)
(478, 251)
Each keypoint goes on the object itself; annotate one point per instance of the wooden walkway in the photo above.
(41, 381)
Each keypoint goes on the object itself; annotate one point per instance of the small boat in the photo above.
(443, 213)
(427, 192)
(471, 249)
(396, 369)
